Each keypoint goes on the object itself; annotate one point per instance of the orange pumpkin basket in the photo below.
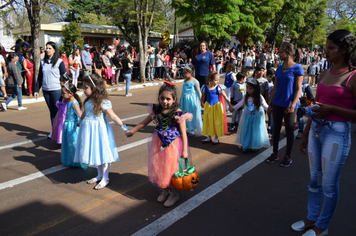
(185, 179)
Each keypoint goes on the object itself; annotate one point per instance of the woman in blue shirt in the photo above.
(202, 63)
(284, 99)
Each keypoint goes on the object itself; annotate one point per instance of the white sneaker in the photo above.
(21, 108)
(3, 105)
(173, 198)
(163, 196)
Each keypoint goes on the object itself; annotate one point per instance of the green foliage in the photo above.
(211, 20)
(93, 18)
(70, 32)
(217, 20)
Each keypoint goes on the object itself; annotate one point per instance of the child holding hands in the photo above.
(96, 144)
(214, 118)
(168, 144)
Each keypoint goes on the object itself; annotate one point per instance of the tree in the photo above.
(211, 20)
(144, 18)
(70, 32)
(289, 18)
(34, 10)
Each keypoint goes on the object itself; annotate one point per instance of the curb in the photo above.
(110, 89)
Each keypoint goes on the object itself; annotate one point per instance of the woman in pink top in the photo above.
(328, 137)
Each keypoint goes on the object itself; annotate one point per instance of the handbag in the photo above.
(185, 179)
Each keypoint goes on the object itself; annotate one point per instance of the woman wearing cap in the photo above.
(202, 63)
(51, 70)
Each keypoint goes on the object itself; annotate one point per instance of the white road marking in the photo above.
(39, 174)
(182, 210)
(44, 138)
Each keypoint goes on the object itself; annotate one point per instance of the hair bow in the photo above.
(169, 83)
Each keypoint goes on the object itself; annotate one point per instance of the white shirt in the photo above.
(248, 61)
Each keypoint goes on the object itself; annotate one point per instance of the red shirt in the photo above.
(65, 61)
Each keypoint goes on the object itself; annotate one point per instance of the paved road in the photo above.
(239, 194)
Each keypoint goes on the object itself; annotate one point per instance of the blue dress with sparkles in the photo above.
(96, 143)
(69, 137)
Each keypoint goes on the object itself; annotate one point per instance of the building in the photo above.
(93, 34)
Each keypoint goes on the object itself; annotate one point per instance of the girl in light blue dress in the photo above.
(252, 132)
(96, 144)
(190, 102)
(70, 128)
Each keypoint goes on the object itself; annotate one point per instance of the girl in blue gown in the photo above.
(70, 128)
(252, 132)
(190, 102)
(96, 145)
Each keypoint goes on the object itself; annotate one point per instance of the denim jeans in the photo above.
(51, 97)
(218, 68)
(15, 91)
(300, 120)
(128, 82)
(329, 145)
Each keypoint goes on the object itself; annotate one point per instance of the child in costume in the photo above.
(238, 91)
(214, 118)
(96, 144)
(230, 78)
(56, 133)
(252, 132)
(190, 101)
(169, 142)
(70, 128)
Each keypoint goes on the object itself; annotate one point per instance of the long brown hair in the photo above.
(256, 93)
(99, 93)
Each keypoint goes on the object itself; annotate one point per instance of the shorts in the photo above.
(2, 83)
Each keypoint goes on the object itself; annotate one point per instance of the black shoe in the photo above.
(244, 151)
(286, 161)
(232, 128)
(272, 158)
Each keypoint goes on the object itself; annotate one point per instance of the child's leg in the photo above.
(313, 80)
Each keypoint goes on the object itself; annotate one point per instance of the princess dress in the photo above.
(164, 151)
(59, 120)
(69, 137)
(96, 143)
(190, 102)
(252, 131)
(214, 118)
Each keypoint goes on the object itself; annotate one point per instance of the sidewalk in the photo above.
(120, 87)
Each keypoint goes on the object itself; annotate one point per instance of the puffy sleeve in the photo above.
(106, 104)
(221, 88)
(263, 103)
(151, 109)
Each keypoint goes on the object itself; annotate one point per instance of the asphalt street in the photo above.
(238, 194)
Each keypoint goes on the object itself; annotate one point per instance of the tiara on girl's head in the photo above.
(91, 81)
(66, 75)
(66, 86)
(169, 83)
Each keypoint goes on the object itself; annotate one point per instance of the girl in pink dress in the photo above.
(168, 144)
